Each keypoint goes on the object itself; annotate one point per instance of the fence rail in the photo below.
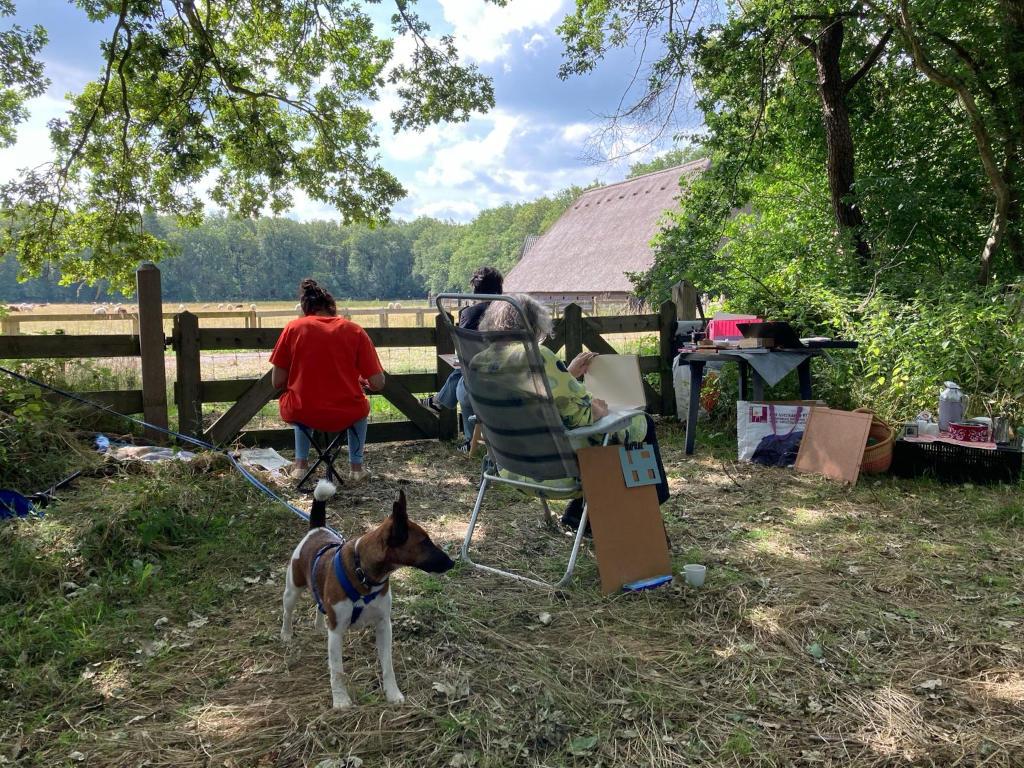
(572, 331)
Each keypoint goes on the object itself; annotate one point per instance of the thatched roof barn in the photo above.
(605, 234)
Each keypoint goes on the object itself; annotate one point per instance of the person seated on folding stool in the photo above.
(576, 406)
(323, 362)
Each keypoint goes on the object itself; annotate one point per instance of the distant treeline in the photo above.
(238, 259)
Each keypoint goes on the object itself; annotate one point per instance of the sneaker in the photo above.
(463, 447)
(428, 402)
(357, 477)
(298, 472)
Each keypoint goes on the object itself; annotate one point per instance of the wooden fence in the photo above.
(572, 331)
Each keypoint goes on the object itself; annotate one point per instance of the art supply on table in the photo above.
(952, 405)
(694, 574)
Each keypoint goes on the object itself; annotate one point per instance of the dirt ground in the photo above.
(873, 626)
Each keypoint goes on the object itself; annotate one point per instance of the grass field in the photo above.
(878, 626)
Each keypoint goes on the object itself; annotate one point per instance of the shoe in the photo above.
(428, 402)
(463, 447)
(298, 472)
(571, 517)
(357, 477)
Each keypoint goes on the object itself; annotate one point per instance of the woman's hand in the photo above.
(580, 364)
(598, 408)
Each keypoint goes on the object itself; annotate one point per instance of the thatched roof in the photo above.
(606, 233)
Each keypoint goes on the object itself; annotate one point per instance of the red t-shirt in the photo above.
(325, 357)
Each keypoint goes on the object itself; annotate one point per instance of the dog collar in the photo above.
(360, 573)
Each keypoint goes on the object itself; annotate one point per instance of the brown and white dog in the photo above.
(349, 580)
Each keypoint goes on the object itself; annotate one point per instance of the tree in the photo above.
(672, 158)
(756, 45)
(978, 53)
(264, 97)
(21, 73)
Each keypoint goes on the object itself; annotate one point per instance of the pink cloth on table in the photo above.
(943, 437)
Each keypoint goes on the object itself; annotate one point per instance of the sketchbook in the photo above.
(616, 380)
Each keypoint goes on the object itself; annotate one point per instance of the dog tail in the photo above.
(318, 515)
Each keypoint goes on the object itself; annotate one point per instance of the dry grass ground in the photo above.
(878, 626)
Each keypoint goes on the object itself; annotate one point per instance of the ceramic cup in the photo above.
(694, 574)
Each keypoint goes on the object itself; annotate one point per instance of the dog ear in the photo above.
(399, 522)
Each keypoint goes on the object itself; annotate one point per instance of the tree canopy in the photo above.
(261, 98)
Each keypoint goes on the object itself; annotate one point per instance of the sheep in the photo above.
(99, 310)
(252, 307)
(298, 307)
(398, 305)
(26, 307)
(13, 308)
(181, 307)
(121, 310)
(220, 306)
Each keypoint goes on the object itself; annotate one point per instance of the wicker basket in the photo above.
(878, 455)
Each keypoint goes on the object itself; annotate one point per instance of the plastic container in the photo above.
(728, 329)
(956, 463)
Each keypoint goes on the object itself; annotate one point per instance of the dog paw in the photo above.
(395, 697)
(344, 703)
(286, 637)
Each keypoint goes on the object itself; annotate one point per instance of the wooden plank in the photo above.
(227, 427)
(666, 350)
(151, 350)
(572, 320)
(265, 338)
(684, 295)
(229, 390)
(448, 419)
(626, 323)
(64, 346)
(188, 387)
(407, 403)
(556, 340)
(120, 400)
(379, 432)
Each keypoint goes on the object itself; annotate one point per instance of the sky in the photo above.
(537, 139)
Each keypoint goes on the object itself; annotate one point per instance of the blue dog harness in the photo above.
(359, 601)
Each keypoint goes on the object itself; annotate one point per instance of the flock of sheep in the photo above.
(23, 307)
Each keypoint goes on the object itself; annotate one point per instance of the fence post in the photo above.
(151, 345)
(572, 317)
(383, 318)
(448, 422)
(9, 326)
(685, 297)
(667, 351)
(188, 390)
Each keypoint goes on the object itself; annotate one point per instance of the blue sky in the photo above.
(535, 141)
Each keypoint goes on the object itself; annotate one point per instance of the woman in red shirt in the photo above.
(322, 362)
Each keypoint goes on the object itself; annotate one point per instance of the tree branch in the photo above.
(869, 62)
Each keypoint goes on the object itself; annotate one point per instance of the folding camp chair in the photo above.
(504, 376)
(326, 454)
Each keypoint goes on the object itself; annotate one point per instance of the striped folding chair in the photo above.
(528, 446)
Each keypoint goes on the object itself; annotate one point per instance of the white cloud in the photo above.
(482, 29)
(32, 147)
(535, 43)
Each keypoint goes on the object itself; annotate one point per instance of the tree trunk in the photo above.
(838, 138)
(1013, 40)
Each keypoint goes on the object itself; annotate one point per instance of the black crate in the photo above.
(956, 463)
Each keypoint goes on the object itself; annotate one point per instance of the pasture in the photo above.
(878, 626)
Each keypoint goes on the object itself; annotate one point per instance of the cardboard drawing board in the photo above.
(616, 380)
(629, 535)
(833, 444)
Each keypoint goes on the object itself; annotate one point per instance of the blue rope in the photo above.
(254, 481)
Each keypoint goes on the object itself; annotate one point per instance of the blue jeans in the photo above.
(447, 396)
(356, 442)
(454, 393)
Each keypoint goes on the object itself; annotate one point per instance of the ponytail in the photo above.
(315, 299)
